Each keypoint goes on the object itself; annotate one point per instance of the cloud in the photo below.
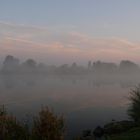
(21, 26)
(42, 43)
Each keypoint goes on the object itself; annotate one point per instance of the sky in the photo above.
(64, 31)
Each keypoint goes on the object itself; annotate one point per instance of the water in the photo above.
(85, 101)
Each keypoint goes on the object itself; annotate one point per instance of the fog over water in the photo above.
(85, 100)
(87, 96)
(80, 58)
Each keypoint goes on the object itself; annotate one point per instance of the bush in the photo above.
(48, 126)
(134, 109)
(10, 128)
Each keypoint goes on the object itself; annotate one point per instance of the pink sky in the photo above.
(56, 47)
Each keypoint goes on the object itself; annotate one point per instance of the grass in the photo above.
(133, 134)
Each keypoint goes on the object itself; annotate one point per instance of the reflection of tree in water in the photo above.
(9, 82)
(15, 81)
(127, 84)
(74, 81)
(89, 83)
(30, 83)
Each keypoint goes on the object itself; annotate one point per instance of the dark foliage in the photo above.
(134, 109)
(46, 126)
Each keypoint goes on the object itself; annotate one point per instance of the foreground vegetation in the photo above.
(132, 134)
(134, 113)
(48, 126)
(127, 129)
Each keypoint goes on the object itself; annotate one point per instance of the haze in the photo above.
(79, 57)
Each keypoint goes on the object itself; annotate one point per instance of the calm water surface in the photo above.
(85, 101)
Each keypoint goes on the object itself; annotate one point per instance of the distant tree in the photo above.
(134, 109)
(48, 126)
(104, 67)
(128, 66)
(74, 65)
(10, 64)
(74, 68)
(63, 69)
(30, 63)
(89, 64)
(29, 66)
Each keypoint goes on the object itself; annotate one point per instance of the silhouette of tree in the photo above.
(104, 67)
(30, 63)
(10, 128)
(74, 65)
(128, 66)
(29, 66)
(48, 126)
(134, 110)
(10, 64)
(89, 64)
(63, 69)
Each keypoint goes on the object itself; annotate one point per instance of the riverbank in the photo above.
(132, 134)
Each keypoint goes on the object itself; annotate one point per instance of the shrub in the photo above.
(48, 126)
(10, 128)
(134, 109)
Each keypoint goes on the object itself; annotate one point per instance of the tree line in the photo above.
(12, 65)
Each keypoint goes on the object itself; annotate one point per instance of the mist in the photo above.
(99, 90)
(69, 70)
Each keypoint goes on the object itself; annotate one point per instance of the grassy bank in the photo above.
(132, 134)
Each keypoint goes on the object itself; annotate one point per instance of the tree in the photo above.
(30, 63)
(10, 64)
(10, 128)
(128, 66)
(89, 64)
(134, 109)
(29, 66)
(48, 126)
(104, 67)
